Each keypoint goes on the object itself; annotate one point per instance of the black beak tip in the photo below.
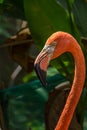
(41, 74)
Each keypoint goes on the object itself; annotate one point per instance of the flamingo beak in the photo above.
(42, 62)
(41, 74)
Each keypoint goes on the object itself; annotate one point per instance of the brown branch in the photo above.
(15, 43)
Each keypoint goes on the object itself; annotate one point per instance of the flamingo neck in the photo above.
(76, 90)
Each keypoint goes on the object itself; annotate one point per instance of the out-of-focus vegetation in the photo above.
(48, 20)
(45, 17)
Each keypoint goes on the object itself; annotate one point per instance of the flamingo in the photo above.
(57, 44)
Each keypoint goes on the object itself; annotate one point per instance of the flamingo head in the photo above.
(57, 44)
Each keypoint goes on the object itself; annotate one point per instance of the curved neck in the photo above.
(76, 89)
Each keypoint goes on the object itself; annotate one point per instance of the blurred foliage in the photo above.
(24, 105)
(3, 29)
(31, 76)
(12, 8)
(80, 15)
(46, 17)
(1, 1)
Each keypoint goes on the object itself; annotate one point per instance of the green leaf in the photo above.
(65, 3)
(44, 19)
(80, 15)
(1, 1)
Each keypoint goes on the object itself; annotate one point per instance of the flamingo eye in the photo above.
(54, 43)
(47, 48)
(50, 48)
